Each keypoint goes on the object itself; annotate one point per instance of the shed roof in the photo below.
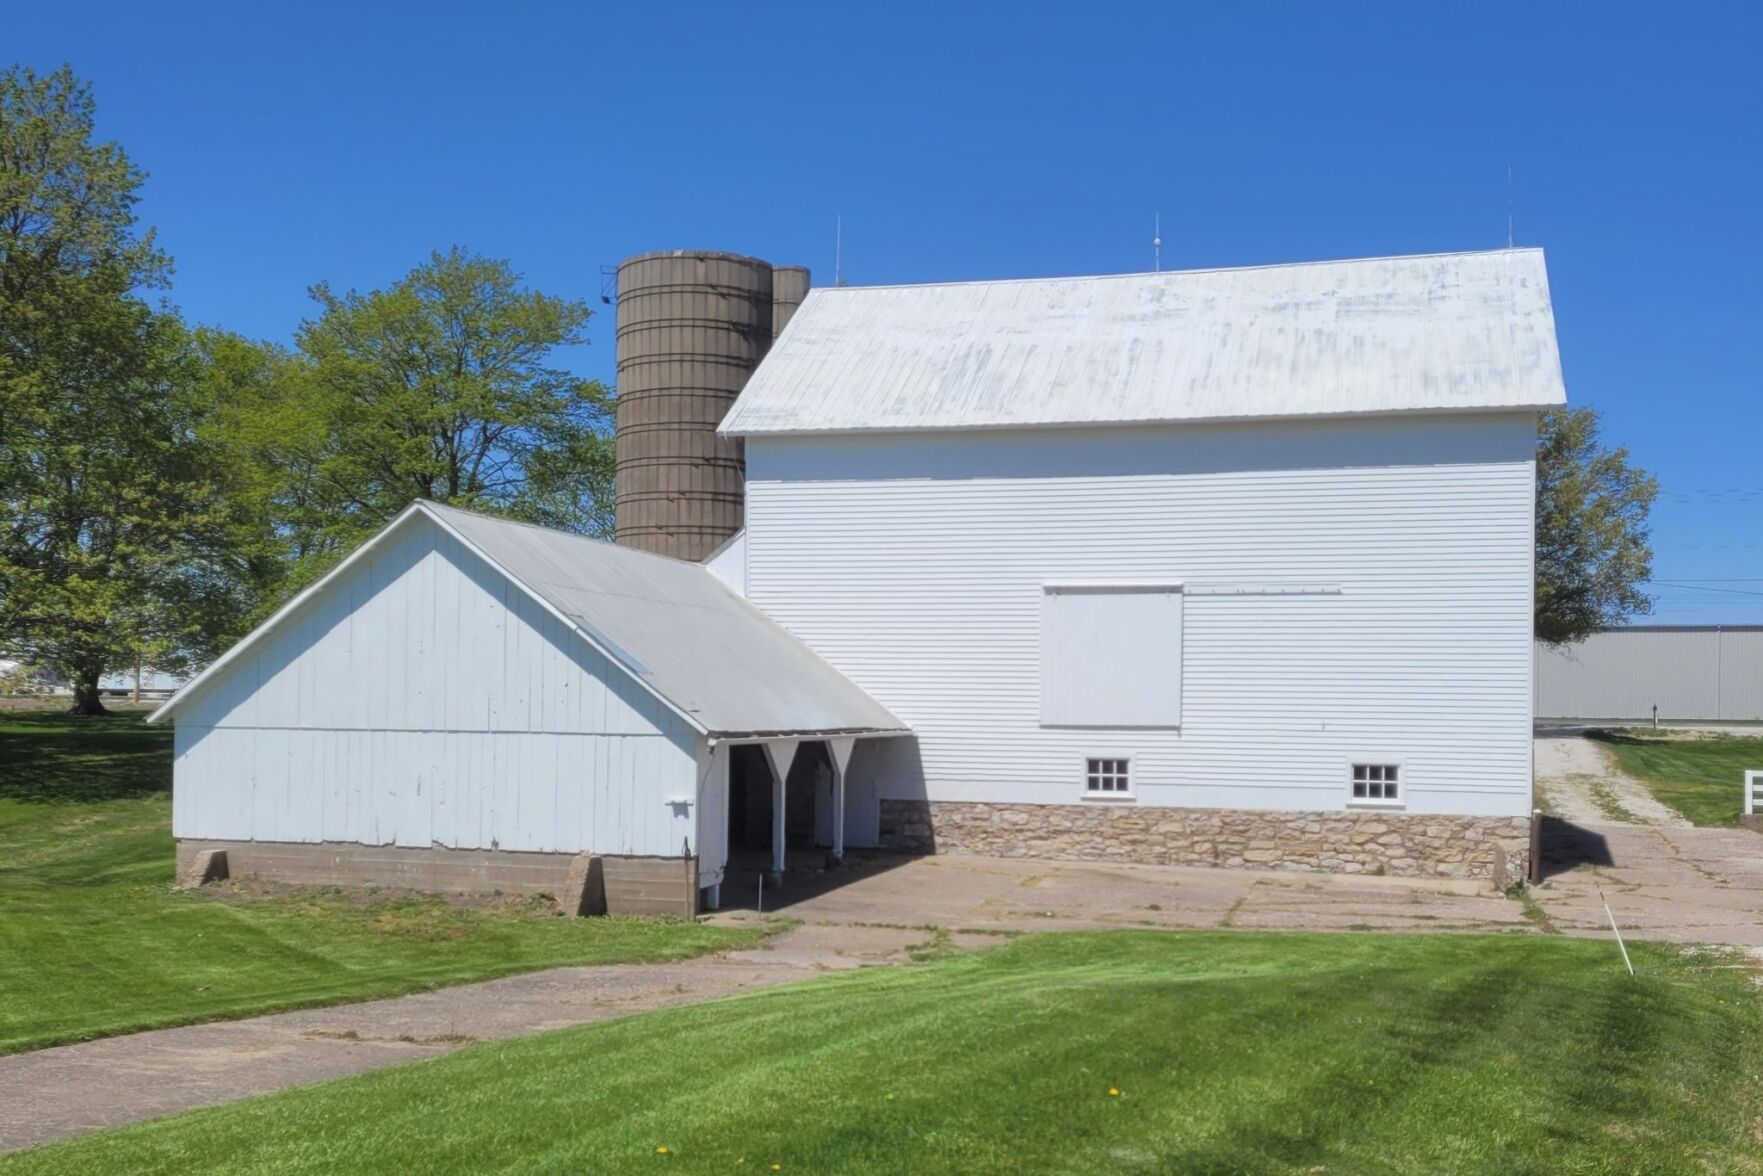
(1450, 332)
(713, 657)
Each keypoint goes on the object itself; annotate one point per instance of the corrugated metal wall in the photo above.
(423, 700)
(915, 564)
(1710, 673)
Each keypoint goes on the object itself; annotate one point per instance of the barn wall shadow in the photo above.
(1566, 846)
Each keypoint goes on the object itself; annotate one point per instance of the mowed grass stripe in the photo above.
(95, 940)
(1233, 1052)
(1702, 778)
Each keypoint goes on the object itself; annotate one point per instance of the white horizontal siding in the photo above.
(915, 564)
(422, 699)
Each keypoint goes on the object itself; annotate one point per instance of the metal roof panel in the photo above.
(678, 629)
(1436, 333)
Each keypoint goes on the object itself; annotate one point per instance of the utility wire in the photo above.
(1706, 588)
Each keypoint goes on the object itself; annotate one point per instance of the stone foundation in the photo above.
(1404, 844)
(588, 884)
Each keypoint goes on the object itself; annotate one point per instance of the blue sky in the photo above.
(293, 144)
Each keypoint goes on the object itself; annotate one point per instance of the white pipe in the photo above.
(1620, 946)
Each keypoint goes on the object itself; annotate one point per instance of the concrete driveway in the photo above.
(1019, 894)
(872, 913)
(1663, 881)
(1664, 878)
(52, 1094)
(1682, 885)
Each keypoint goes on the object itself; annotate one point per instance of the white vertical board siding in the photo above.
(1354, 591)
(423, 700)
(728, 563)
(1110, 657)
(712, 812)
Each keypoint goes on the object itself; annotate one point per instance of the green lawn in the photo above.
(95, 940)
(1700, 778)
(1231, 1052)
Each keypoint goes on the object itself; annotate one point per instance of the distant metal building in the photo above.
(1689, 672)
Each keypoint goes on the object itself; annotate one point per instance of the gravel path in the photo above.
(55, 1093)
(1577, 781)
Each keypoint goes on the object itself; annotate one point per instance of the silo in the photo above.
(692, 326)
(789, 285)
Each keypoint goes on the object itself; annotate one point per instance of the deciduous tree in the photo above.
(441, 387)
(1592, 549)
(109, 517)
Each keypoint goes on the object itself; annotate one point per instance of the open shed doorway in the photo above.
(752, 795)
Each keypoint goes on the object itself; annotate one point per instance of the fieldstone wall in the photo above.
(1406, 844)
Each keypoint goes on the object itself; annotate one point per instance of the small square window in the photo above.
(1376, 783)
(1105, 777)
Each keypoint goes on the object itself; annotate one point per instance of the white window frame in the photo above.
(1123, 797)
(1378, 761)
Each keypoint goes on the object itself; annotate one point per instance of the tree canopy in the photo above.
(439, 387)
(112, 519)
(1592, 550)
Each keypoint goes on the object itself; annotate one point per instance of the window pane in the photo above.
(1359, 789)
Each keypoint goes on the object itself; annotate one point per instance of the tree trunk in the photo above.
(86, 699)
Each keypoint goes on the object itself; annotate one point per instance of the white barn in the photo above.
(1227, 567)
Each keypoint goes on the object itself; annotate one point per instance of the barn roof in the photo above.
(677, 629)
(1452, 332)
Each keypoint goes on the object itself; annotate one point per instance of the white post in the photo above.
(1617, 931)
(779, 754)
(841, 756)
(1753, 790)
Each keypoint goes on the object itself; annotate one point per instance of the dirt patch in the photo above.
(1664, 734)
(370, 897)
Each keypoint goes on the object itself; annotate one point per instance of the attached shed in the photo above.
(467, 703)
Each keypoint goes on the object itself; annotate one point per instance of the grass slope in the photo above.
(1231, 1052)
(94, 940)
(1701, 778)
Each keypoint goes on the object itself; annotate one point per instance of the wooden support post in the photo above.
(841, 756)
(780, 754)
